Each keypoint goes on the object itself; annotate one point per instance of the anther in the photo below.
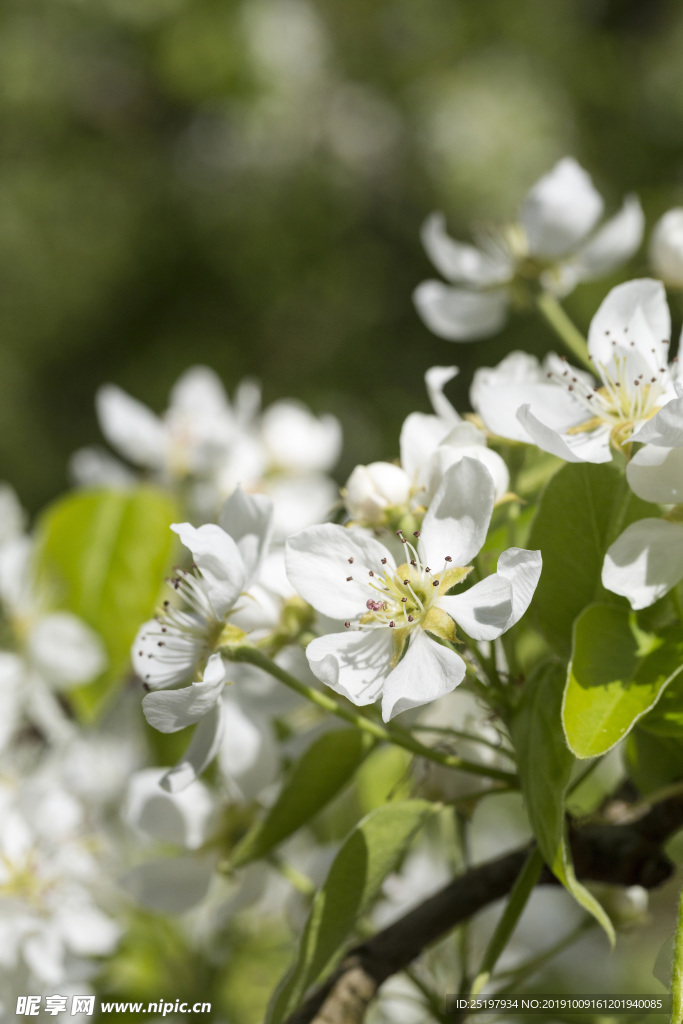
(371, 573)
(416, 533)
(349, 578)
(406, 582)
(348, 625)
(392, 624)
(435, 583)
(410, 618)
(160, 643)
(384, 561)
(404, 600)
(413, 562)
(448, 558)
(350, 561)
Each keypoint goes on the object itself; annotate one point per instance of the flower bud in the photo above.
(371, 490)
(666, 248)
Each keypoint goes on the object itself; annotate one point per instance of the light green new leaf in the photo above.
(544, 764)
(373, 849)
(583, 510)
(105, 552)
(616, 675)
(323, 770)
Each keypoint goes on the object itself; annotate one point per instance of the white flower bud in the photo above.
(666, 247)
(372, 489)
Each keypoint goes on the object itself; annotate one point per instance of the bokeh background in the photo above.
(242, 183)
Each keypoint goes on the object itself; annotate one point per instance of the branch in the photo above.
(618, 854)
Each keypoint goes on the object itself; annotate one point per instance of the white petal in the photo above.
(436, 379)
(218, 559)
(458, 262)
(656, 474)
(484, 610)
(248, 519)
(199, 391)
(523, 569)
(203, 747)
(459, 315)
(176, 661)
(89, 932)
(12, 676)
(248, 758)
(427, 672)
(447, 454)
(171, 886)
(635, 312)
(44, 954)
(184, 819)
(592, 446)
(172, 710)
(666, 248)
(301, 501)
(560, 209)
(12, 515)
(66, 651)
(299, 441)
(318, 566)
(665, 428)
(421, 434)
(131, 427)
(498, 392)
(95, 467)
(458, 518)
(372, 489)
(354, 663)
(645, 562)
(614, 243)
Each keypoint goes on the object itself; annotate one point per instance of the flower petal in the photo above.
(130, 427)
(560, 209)
(204, 746)
(523, 569)
(592, 446)
(299, 441)
(217, 557)
(172, 710)
(171, 886)
(248, 519)
(436, 379)
(656, 474)
(66, 651)
(665, 428)
(427, 672)
(459, 315)
(636, 316)
(484, 610)
(199, 391)
(458, 518)
(320, 561)
(372, 489)
(459, 262)
(614, 243)
(645, 562)
(183, 819)
(498, 392)
(354, 663)
(452, 451)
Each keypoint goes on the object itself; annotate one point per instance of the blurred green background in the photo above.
(242, 183)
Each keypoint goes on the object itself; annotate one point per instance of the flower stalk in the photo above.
(570, 336)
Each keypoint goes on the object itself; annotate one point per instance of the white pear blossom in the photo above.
(398, 612)
(666, 248)
(554, 243)
(564, 410)
(382, 493)
(182, 644)
(646, 560)
(50, 923)
(52, 650)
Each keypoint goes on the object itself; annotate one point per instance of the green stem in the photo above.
(445, 730)
(519, 896)
(569, 334)
(388, 734)
(677, 974)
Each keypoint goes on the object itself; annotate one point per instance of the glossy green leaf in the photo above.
(544, 764)
(582, 511)
(104, 553)
(321, 773)
(616, 675)
(372, 850)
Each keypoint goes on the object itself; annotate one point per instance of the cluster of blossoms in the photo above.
(395, 601)
(204, 445)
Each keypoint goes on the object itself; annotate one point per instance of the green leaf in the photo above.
(583, 510)
(653, 761)
(545, 764)
(373, 849)
(105, 553)
(666, 717)
(317, 777)
(616, 675)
